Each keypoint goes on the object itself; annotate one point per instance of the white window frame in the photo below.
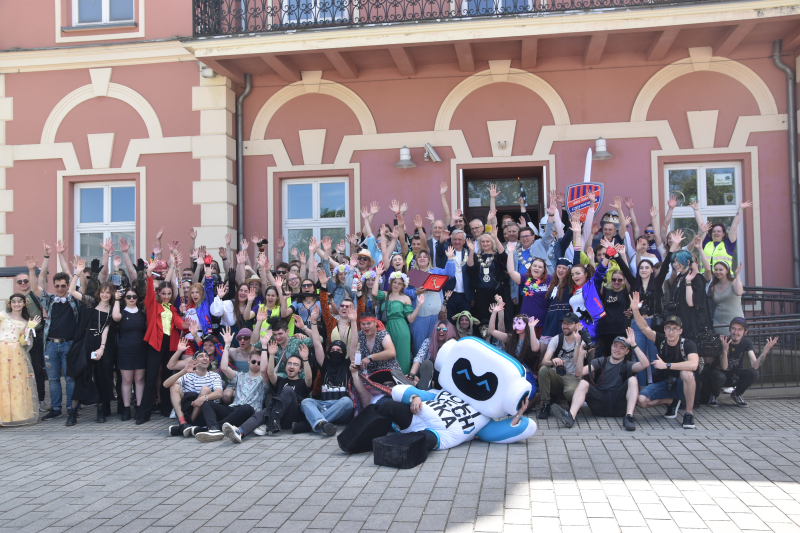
(315, 223)
(287, 19)
(685, 211)
(106, 227)
(106, 14)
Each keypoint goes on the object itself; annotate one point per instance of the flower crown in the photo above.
(399, 275)
(342, 269)
(369, 274)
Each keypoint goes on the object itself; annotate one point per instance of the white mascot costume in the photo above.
(480, 383)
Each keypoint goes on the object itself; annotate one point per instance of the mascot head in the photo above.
(489, 380)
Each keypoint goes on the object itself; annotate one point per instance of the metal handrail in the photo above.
(230, 17)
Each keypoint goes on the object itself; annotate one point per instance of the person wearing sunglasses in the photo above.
(249, 390)
(132, 349)
(23, 285)
(422, 373)
(61, 312)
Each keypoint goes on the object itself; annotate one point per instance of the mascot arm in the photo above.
(502, 432)
(403, 393)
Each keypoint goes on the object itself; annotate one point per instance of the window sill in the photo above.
(99, 27)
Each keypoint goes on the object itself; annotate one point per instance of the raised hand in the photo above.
(298, 323)
(447, 294)
(575, 223)
(450, 253)
(418, 222)
(117, 262)
(770, 343)
(293, 252)
(272, 349)
(80, 264)
(326, 243)
(532, 321)
(227, 335)
(629, 202)
(192, 233)
(302, 257)
(156, 248)
(420, 300)
(692, 273)
(255, 238)
(262, 313)
(46, 248)
(745, 205)
(227, 239)
(443, 187)
(430, 217)
(241, 257)
(593, 197)
(678, 236)
(160, 233)
(379, 270)
(244, 245)
(374, 208)
(673, 201)
(510, 247)
(695, 205)
(630, 336)
(340, 248)
(221, 291)
(738, 269)
(30, 262)
(312, 245)
(627, 221)
(394, 205)
(223, 253)
(124, 247)
(403, 208)
(365, 211)
(493, 192)
(352, 239)
(280, 243)
(492, 213)
(635, 300)
(726, 343)
(471, 245)
(322, 276)
(617, 205)
(174, 245)
(457, 213)
(560, 197)
(263, 261)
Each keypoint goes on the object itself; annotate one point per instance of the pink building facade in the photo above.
(110, 126)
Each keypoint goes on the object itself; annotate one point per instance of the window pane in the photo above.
(689, 227)
(298, 238)
(331, 200)
(509, 192)
(90, 11)
(727, 222)
(336, 235)
(300, 200)
(91, 246)
(683, 184)
(91, 205)
(120, 10)
(131, 239)
(123, 204)
(720, 186)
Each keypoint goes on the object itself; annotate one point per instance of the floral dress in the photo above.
(19, 400)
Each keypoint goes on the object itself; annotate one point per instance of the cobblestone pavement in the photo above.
(739, 470)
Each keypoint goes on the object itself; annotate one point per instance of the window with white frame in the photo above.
(314, 208)
(104, 211)
(101, 11)
(717, 187)
(303, 12)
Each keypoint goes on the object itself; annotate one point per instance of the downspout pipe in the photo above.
(240, 157)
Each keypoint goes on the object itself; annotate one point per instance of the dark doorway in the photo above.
(509, 181)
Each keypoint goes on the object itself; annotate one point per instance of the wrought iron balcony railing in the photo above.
(229, 17)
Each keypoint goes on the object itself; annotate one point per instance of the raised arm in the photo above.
(733, 231)
(499, 335)
(493, 192)
(227, 337)
(511, 264)
(447, 218)
(698, 217)
(124, 249)
(634, 225)
(303, 351)
(61, 248)
(366, 216)
(671, 203)
(115, 311)
(656, 228)
(80, 264)
(272, 350)
(413, 316)
(30, 262)
(641, 359)
(640, 321)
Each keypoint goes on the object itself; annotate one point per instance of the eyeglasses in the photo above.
(131, 297)
(475, 228)
(616, 280)
(241, 338)
(363, 259)
(441, 328)
(23, 281)
(307, 285)
(17, 301)
(281, 272)
(60, 286)
(649, 232)
(254, 362)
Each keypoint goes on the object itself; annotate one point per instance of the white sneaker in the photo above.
(232, 433)
(43, 408)
(172, 414)
(727, 390)
(261, 430)
(209, 436)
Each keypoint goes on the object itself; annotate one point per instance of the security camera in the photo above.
(431, 153)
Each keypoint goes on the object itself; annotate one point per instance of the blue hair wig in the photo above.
(683, 258)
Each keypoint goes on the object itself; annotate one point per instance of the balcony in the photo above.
(234, 17)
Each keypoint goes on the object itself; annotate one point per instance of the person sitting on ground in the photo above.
(284, 408)
(249, 394)
(557, 371)
(321, 415)
(731, 372)
(190, 389)
(677, 360)
(422, 372)
(376, 346)
(612, 389)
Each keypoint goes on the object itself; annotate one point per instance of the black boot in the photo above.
(107, 409)
(545, 412)
(275, 415)
(126, 414)
(72, 419)
(136, 413)
(100, 416)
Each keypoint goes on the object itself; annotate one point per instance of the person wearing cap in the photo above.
(557, 371)
(677, 360)
(612, 389)
(731, 372)
(249, 387)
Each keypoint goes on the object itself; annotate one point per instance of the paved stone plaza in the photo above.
(739, 470)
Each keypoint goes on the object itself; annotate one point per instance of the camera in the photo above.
(561, 371)
(430, 153)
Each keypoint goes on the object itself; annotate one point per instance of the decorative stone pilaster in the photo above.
(6, 197)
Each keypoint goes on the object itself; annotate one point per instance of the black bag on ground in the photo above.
(400, 450)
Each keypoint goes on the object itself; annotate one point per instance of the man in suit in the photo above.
(461, 299)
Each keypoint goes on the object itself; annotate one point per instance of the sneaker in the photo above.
(212, 435)
(738, 400)
(43, 408)
(545, 412)
(329, 429)
(400, 378)
(712, 402)
(672, 409)
(233, 433)
(301, 427)
(688, 421)
(629, 423)
(563, 415)
(728, 390)
(191, 431)
(261, 430)
(72, 419)
(177, 431)
(52, 414)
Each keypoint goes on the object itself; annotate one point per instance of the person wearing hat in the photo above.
(557, 372)
(612, 388)
(731, 372)
(677, 360)
(464, 321)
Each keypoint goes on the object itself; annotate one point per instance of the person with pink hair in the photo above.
(422, 373)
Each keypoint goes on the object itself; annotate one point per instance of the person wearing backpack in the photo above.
(677, 361)
(612, 388)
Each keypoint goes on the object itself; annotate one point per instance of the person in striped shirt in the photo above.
(189, 389)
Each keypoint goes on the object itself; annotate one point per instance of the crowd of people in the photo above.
(597, 312)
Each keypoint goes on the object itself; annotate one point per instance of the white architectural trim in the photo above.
(722, 65)
(103, 36)
(488, 77)
(63, 151)
(660, 129)
(115, 90)
(141, 192)
(752, 124)
(330, 88)
(164, 145)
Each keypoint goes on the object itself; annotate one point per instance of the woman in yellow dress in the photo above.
(19, 401)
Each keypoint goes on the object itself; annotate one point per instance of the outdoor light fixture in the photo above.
(600, 151)
(405, 159)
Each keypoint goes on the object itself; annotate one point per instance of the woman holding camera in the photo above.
(132, 351)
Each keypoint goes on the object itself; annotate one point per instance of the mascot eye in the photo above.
(482, 388)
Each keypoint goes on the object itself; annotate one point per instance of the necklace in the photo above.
(518, 253)
(531, 286)
(485, 266)
(464, 258)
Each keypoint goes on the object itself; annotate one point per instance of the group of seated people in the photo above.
(304, 346)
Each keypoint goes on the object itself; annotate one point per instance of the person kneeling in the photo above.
(613, 389)
(284, 408)
(189, 389)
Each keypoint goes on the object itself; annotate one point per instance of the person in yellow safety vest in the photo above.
(720, 245)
